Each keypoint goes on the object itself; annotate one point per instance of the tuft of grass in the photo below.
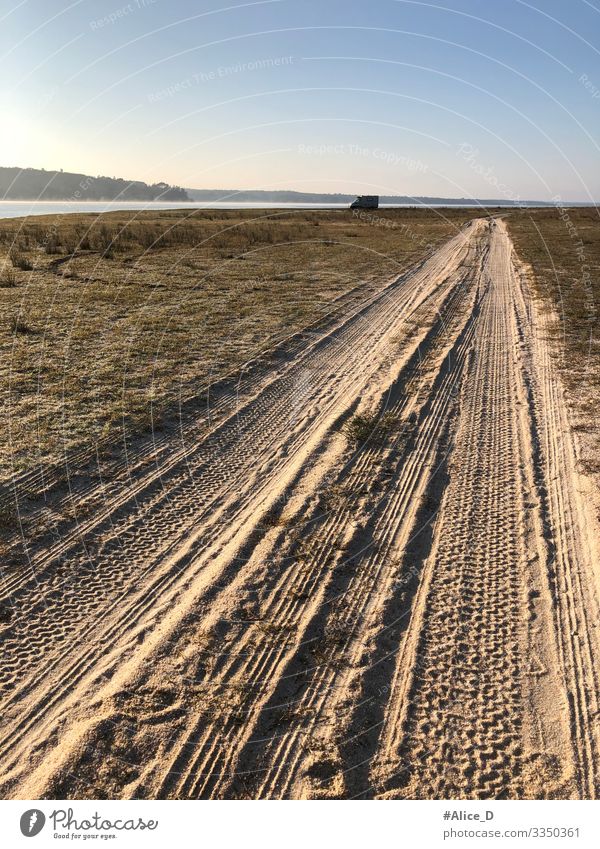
(328, 651)
(20, 327)
(335, 496)
(52, 245)
(371, 427)
(8, 278)
(274, 629)
(274, 518)
(8, 517)
(19, 260)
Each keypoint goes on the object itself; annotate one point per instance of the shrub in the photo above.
(8, 516)
(52, 245)
(369, 426)
(8, 278)
(20, 326)
(19, 260)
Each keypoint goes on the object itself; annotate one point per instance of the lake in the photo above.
(23, 208)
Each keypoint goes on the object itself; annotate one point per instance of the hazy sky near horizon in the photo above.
(457, 98)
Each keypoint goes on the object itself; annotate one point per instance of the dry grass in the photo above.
(107, 320)
(564, 253)
(8, 277)
(370, 428)
(563, 249)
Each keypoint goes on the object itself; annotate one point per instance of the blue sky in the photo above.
(459, 98)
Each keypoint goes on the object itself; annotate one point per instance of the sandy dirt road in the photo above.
(260, 609)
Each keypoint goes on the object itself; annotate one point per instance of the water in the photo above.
(23, 208)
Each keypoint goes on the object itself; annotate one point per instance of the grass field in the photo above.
(107, 320)
(562, 246)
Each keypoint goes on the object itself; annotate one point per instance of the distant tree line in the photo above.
(35, 184)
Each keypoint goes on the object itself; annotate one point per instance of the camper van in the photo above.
(365, 202)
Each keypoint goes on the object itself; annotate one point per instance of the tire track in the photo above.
(100, 606)
(356, 610)
(203, 647)
(571, 551)
(201, 763)
(464, 695)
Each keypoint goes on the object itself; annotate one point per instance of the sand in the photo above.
(259, 608)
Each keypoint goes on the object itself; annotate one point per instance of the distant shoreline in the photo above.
(24, 208)
(30, 185)
(263, 204)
